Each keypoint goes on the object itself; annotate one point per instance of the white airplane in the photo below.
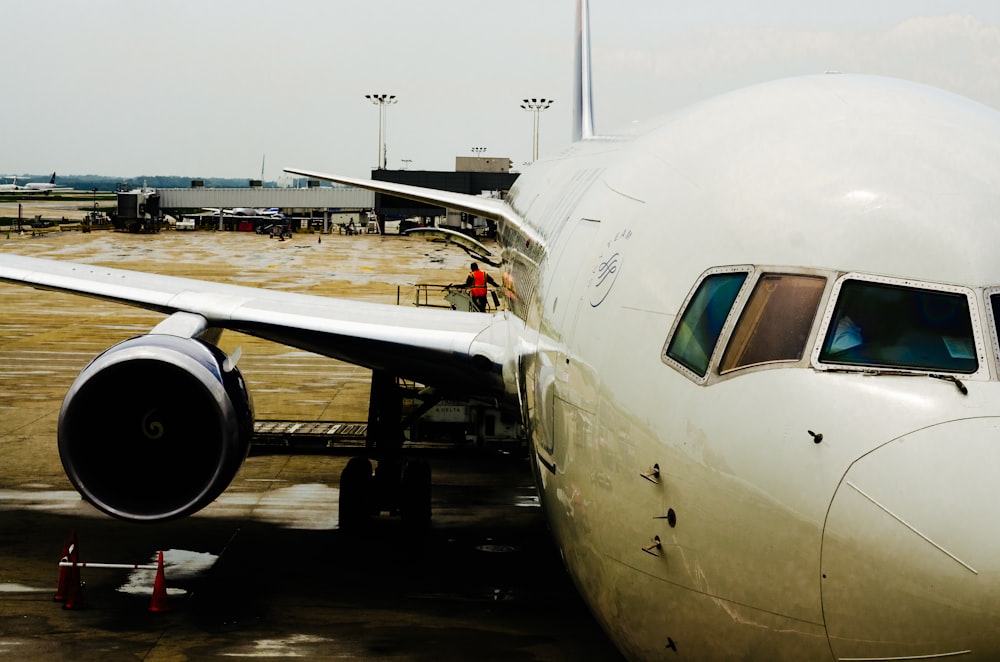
(247, 211)
(755, 345)
(42, 187)
(11, 186)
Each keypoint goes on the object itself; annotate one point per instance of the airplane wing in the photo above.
(463, 241)
(456, 350)
(496, 210)
(195, 401)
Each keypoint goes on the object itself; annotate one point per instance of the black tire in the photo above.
(415, 495)
(355, 494)
(386, 485)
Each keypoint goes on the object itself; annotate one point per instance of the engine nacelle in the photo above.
(155, 428)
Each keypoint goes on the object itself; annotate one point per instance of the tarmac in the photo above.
(265, 571)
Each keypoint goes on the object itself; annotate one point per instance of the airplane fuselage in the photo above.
(801, 508)
(755, 345)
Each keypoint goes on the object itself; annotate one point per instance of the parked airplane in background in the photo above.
(755, 344)
(247, 211)
(43, 187)
(32, 187)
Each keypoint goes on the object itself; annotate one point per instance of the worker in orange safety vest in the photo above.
(476, 282)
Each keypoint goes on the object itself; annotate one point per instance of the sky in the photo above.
(224, 88)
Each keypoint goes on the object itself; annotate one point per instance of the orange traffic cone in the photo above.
(74, 587)
(74, 595)
(159, 601)
(63, 586)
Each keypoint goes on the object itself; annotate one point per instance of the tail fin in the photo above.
(583, 110)
(52, 180)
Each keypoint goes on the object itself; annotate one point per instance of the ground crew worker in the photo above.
(476, 282)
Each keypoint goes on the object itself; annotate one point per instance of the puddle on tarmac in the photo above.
(178, 565)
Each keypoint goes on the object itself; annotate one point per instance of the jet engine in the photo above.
(155, 428)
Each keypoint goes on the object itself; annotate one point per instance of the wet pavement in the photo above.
(265, 571)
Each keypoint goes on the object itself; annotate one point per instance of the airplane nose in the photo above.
(911, 548)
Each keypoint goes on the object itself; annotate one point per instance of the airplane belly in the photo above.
(652, 619)
(911, 548)
(738, 502)
(638, 591)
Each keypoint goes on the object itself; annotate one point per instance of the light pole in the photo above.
(381, 100)
(536, 106)
(478, 151)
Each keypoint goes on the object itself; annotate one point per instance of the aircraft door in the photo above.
(554, 368)
(576, 372)
(562, 296)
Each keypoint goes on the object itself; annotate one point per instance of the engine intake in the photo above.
(155, 428)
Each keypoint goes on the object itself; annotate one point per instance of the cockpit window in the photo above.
(701, 323)
(776, 321)
(994, 301)
(893, 326)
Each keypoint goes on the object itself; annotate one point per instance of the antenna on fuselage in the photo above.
(583, 103)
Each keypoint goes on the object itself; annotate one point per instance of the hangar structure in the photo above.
(143, 209)
(313, 197)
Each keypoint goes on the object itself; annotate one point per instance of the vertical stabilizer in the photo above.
(583, 109)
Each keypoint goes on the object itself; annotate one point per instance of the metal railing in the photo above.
(454, 297)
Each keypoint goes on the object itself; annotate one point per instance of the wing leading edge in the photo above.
(496, 210)
(457, 351)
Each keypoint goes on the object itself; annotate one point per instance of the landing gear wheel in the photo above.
(386, 486)
(415, 495)
(355, 494)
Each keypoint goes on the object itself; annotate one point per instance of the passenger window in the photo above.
(701, 323)
(776, 321)
(893, 326)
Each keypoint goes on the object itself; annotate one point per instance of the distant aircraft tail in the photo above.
(583, 103)
(52, 179)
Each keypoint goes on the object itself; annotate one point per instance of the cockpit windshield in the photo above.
(894, 326)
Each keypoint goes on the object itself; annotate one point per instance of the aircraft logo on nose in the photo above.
(606, 271)
(605, 275)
